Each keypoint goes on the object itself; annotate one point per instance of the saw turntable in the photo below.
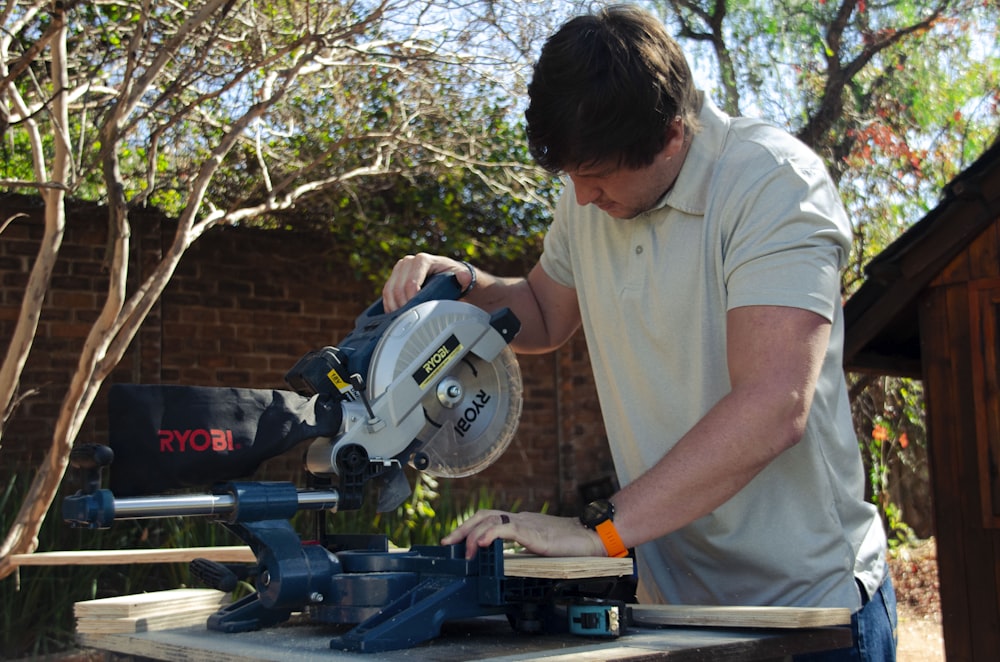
(435, 386)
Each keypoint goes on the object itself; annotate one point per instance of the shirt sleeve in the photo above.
(786, 238)
(556, 258)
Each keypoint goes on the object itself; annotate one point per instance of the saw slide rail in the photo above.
(97, 510)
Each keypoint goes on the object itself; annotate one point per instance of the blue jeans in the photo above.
(874, 630)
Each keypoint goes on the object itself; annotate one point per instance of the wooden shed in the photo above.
(930, 309)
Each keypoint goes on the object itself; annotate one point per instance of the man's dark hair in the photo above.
(605, 89)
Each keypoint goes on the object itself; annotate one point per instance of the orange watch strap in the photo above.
(612, 541)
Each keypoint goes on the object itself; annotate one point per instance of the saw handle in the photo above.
(438, 287)
(332, 370)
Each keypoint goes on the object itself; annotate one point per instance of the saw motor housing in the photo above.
(442, 391)
(470, 374)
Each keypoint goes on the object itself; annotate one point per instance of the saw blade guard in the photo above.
(472, 403)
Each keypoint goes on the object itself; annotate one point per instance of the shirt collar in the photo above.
(689, 193)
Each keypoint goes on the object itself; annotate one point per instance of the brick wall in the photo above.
(243, 306)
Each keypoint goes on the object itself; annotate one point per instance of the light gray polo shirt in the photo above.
(753, 219)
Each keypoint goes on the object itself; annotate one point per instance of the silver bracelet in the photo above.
(472, 283)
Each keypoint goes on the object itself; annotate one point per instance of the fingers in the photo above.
(480, 530)
(409, 274)
(404, 282)
(545, 535)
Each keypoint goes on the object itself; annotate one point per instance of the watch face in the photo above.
(597, 512)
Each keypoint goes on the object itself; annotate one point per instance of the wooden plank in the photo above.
(145, 623)
(558, 567)
(232, 554)
(984, 304)
(515, 565)
(739, 617)
(149, 604)
(944, 333)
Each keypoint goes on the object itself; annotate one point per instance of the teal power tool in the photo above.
(595, 617)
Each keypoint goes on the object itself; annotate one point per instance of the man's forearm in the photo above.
(774, 359)
(548, 313)
(706, 468)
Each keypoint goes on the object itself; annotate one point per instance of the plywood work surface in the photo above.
(487, 638)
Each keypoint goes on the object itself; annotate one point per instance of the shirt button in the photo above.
(638, 250)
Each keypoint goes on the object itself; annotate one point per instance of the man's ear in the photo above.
(676, 136)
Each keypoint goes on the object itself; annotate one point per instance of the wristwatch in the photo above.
(599, 515)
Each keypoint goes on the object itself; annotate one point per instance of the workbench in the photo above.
(487, 638)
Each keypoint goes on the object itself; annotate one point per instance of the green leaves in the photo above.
(898, 97)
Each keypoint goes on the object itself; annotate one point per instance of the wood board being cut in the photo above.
(161, 610)
(558, 567)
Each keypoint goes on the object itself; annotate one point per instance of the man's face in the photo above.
(618, 191)
(624, 192)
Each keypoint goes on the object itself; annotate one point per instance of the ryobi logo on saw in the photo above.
(441, 357)
(198, 441)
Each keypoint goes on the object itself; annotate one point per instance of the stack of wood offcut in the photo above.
(145, 612)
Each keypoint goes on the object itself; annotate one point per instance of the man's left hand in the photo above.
(545, 535)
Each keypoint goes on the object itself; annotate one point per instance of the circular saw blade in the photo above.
(472, 414)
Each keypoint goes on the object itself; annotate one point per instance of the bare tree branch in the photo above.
(23, 534)
(712, 33)
(840, 74)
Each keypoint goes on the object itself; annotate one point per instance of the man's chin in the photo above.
(618, 212)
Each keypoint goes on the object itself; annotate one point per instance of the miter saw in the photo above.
(433, 385)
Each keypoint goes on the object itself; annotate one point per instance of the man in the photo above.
(701, 255)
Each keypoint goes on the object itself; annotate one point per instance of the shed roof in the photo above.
(882, 332)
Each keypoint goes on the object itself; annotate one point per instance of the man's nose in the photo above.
(586, 194)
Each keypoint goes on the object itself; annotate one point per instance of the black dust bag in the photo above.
(166, 437)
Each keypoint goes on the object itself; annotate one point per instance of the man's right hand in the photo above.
(549, 312)
(412, 271)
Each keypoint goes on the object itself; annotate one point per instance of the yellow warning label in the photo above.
(338, 381)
